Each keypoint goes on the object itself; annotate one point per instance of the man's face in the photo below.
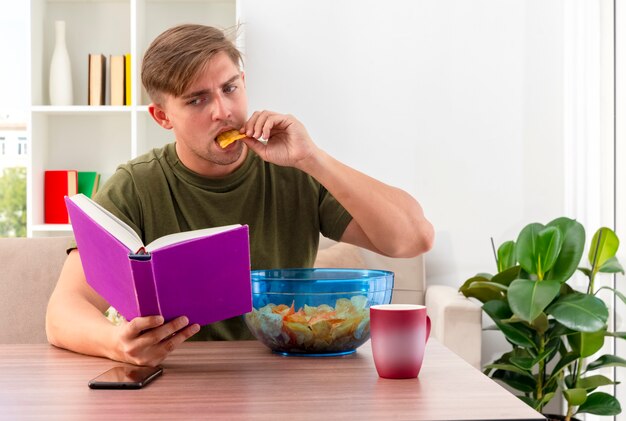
(215, 102)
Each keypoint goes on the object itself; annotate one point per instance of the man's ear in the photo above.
(160, 116)
(243, 78)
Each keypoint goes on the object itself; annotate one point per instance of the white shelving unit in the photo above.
(98, 138)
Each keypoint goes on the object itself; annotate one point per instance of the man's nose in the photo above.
(220, 109)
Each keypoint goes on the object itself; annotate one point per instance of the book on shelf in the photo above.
(117, 75)
(57, 185)
(127, 78)
(88, 183)
(202, 274)
(97, 79)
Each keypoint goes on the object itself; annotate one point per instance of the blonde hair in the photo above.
(175, 57)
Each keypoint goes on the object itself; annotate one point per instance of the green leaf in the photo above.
(616, 292)
(612, 265)
(585, 271)
(580, 312)
(575, 397)
(604, 245)
(571, 251)
(526, 362)
(507, 276)
(600, 403)
(557, 330)
(521, 357)
(475, 278)
(607, 360)
(566, 290)
(512, 319)
(553, 347)
(542, 356)
(530, 402)
(526, 248)
(586, 344)
(506, 255)
(517, 336)
(546, 398)
(510, 367)
(490, 285)
(478, 287)
(515, 352)
(540, 324)
(549, 241)
(528, 299)
(499, 310)
(565, 361)
(517, 381)
(592, 382)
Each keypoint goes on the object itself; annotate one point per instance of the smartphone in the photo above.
(125, 377)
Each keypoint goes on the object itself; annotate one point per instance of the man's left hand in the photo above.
(287, 141)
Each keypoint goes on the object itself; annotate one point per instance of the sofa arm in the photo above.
(456, 322)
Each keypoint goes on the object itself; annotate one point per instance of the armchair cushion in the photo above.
(29, 271)
(456, 322)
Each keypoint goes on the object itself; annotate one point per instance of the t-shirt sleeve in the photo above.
(334, 218)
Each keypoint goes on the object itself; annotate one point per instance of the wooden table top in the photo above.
(244, 380)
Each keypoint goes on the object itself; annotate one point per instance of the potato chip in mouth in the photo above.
(229, 137)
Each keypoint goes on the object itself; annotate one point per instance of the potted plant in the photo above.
(553, 328)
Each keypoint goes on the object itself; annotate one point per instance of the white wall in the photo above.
(14, 48)
(458, 102)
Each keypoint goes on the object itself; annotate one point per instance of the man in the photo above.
(285, 188)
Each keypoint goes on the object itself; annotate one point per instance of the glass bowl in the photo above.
(315, 312)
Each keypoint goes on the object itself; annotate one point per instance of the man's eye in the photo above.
(230, 89)
(196, 101)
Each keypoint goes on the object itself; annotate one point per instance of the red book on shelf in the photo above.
(57, 185)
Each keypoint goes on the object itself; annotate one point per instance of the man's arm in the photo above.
(75, 321)
(386, 220)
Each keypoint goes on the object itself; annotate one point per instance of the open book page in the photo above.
(187, 235)
(111, 223)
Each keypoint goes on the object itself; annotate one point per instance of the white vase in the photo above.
(60, 69)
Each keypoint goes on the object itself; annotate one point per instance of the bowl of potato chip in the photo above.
(315, 312)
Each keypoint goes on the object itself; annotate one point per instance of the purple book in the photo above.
(202, 274)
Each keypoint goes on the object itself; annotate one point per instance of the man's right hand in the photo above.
(148, 340)
(75, 321)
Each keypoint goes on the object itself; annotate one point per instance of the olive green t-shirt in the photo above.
(285, 210)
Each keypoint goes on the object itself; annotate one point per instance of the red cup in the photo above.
(399, 333)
